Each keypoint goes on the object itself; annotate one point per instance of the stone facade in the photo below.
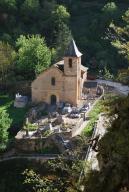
(63, 81)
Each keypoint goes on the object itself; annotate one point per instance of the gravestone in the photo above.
(20, 101)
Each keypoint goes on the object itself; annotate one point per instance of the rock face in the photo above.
(20, 101)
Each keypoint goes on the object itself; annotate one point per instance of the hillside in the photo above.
(88, 22)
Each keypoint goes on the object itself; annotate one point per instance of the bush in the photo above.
(30, 127)
(5, 123)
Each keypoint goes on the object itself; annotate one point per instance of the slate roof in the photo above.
(60, 65)
(72, 50)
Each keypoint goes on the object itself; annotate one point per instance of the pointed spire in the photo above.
(72, 50)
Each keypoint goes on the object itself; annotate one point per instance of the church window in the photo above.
(53, 81)
(81, 75)
(70, 63)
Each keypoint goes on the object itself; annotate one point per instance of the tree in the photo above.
(37, 183)
(113, 151)
(34, 182)
(7, 56)
(62, 31)
(30, 5)
(33, 56)
(61, 15)
(107, 74)
(110, 8)
(63, 39)
(10, 4)
(5, 123)
(120, 36)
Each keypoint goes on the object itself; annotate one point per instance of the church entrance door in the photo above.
(53, 100)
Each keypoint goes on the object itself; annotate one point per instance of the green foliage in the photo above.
(30, 5)
(10, 4)
(47, 133)
(51, 20)
(93, 117)
(63, 177)
(36, 174)
(30, 127)
(46, 18)
(62, 31)
(17, 115)
(61, 15)
(110, 7)
(33, 56)
(89, 18)
(34, 181)
(63, 38)
(121, 40)
(5, 123)
(113, 151)
(7, 56)
(123, 76)
(11, 178)
(107, 74)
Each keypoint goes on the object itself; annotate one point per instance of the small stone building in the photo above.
(63, 81)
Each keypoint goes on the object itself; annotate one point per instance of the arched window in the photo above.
(70, 63)
(53, 81)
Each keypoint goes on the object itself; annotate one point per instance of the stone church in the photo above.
(63, 81)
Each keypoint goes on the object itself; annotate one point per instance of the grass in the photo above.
(100, 106)
(30, 127)
(16, 114)
(93, 116)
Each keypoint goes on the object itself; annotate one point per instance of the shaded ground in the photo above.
(11, 178)
(16, 114)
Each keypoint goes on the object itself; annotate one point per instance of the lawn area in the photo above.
(16, 114)
(100, 107)
(93, 116)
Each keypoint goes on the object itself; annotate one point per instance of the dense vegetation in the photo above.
(11, 120)
(113, 152)
(5, 123)
(90, 22)
(55, 21)
(114, 146)
(11, 178)
(56, 176)
(34, 34)
(21, 21)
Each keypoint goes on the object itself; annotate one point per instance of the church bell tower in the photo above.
(72, 60)
(72, 73)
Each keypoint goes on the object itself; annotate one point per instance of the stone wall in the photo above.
(65, 88)
(29, 145)
(42, 88)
